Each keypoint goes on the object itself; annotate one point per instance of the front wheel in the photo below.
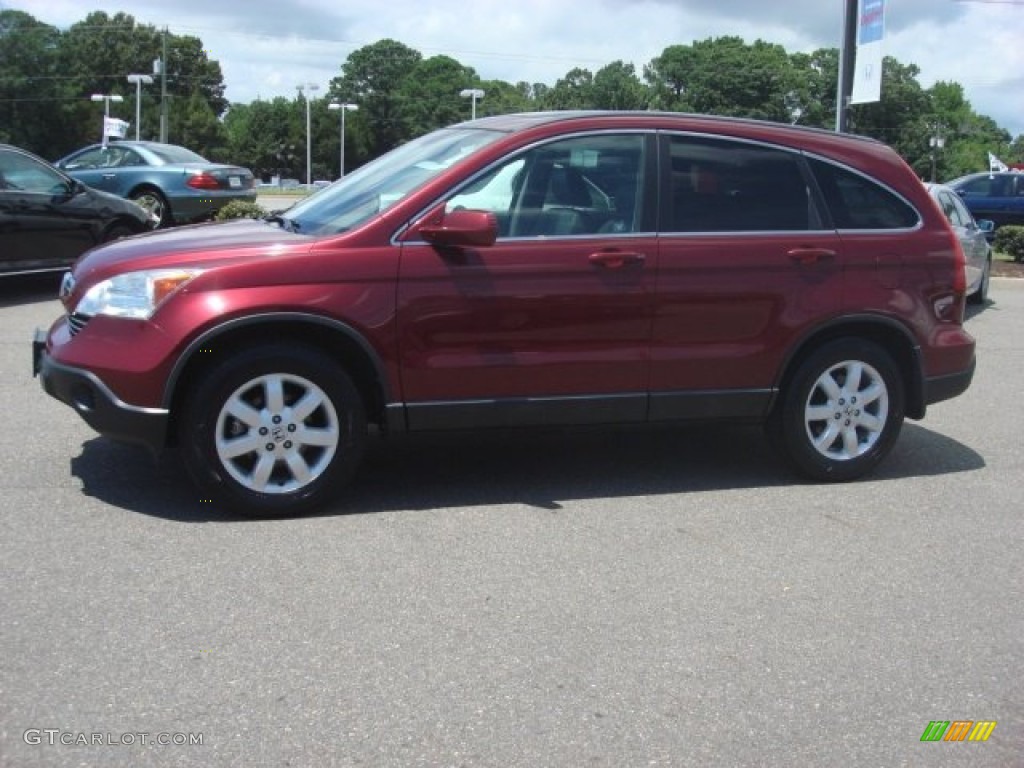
(117, 231)
(842, 411)
(275, 430)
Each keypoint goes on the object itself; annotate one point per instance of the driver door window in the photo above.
(585, 186)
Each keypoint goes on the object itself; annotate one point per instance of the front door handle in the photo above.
(811, 255)
(616, 259)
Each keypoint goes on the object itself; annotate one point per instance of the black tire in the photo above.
(154, 202)
(293, 454)
(834, 428)
(980, 296)
(117, 231)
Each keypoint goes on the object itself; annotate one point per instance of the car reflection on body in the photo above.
(175, 184)
(47, 219)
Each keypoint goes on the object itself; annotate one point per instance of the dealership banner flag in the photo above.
(114, 127)
(867, 76)
(995, 164)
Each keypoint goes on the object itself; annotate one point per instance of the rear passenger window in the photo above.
(730, 186)
(856, 202)
(949, 208)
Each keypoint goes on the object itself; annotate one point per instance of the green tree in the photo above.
(896, 118)
(430, 94)
(670, 76)
(504, 98)
(616, 86)
(726, 76)
(96, 54)
(372, 77)
(29, 88)
(574, 91)
(101, 50)
(816, 81)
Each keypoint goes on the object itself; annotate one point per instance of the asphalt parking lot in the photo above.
(667, 597)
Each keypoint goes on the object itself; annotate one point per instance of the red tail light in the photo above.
(204, 181)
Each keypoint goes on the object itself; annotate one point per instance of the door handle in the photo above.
(810, 255)
(616, 259)
(109, 176)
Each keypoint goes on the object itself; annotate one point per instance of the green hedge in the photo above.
(1010, 240)
(240, 209)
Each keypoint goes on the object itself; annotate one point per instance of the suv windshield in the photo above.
(377, 186)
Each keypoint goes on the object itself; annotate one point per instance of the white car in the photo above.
(973, 235)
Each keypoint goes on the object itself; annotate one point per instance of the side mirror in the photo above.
(986, 226)
(460, 228)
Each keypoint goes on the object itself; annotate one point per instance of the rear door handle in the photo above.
(810, 255)
(616, 259)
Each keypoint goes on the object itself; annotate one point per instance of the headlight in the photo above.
(134, 294)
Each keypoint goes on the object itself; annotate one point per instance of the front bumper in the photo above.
(95, 403)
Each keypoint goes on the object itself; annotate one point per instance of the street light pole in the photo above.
(346, 107)
(138, 80)
(106, 98)
(847, 61)
(309, 145)
(936, 142)
(474, 94)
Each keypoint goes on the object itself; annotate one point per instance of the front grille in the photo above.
(77, 321)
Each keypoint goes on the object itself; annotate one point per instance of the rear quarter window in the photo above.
(857, 202)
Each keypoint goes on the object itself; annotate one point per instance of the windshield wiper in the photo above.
(285, 222)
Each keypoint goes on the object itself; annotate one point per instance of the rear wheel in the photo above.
(842, 411)
(980, 296)
(156, 204)
(275, 430)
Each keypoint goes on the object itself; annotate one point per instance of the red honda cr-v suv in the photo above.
(535, 269)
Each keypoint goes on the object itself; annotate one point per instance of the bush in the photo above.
(240, 209)
(1010, 240)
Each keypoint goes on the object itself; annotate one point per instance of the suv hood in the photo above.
(191, 246)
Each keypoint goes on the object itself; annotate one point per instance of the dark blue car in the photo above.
(998, 197)
(175, 184)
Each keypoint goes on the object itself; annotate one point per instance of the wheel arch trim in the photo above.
(189, 353)
(908, 358)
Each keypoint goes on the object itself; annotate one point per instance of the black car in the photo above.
(48, 219)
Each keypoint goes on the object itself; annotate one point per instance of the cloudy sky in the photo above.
(267, 47)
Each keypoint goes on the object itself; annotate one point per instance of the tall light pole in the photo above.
(847, 61)
(309, 145)
(138, 80)
(936, 142)
(474, 94)
(106, 98)
(345, 107)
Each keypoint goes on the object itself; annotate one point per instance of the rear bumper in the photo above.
(95, 403)
(939, 388)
